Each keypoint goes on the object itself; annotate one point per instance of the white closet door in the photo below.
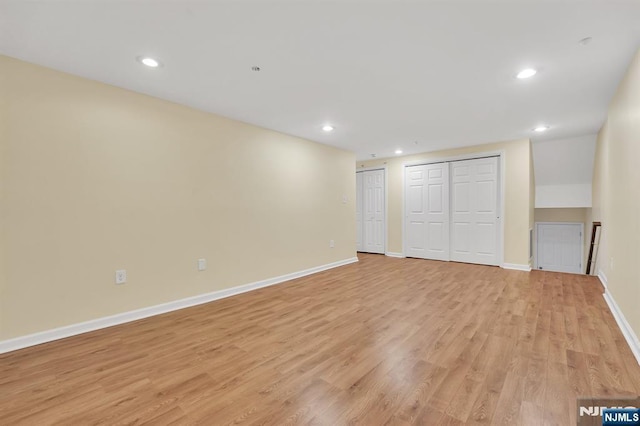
(415, 211)
(359, 211)
(474, 211)
(427, 211)
(373, 205)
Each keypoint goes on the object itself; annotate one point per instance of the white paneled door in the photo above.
(451, 211)
(427, 211)
(559, 247)
(373, 203)
(474, 211)
(370, 211)
(359, 224)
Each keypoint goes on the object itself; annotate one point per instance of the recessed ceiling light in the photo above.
(327, 128)
(398, 151)
(150, 62)
(526, 73)
(541, 129)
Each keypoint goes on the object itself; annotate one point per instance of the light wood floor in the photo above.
(383, 341)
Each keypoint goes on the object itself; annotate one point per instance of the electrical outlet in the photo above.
(121, 276)
(202, 264)
(332, 244)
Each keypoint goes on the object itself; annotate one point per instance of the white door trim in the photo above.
(501, 154)
(535, 254)
(372, 168)
(386, 200)
(359, 213)
(471, 156)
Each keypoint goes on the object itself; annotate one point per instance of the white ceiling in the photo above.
(384, 73)
(564, 161)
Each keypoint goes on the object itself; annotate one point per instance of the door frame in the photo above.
(386, 201)
(537, 247)
(501, 154)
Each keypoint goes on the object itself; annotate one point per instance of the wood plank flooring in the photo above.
(382, 342)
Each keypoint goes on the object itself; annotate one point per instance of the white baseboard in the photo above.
(603, 278)
(517, 267)
(394, 254)
(627, 331)
(96, 324)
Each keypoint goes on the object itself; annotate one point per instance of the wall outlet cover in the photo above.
(121, 276)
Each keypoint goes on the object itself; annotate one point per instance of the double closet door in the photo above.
(370, 211)
(451, 211)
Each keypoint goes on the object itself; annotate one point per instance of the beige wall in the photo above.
(96, 178)
(560, 215)
(616, 199)
(518, 196)
(4, 103)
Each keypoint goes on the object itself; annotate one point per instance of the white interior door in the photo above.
(373, 211)
(559, 247)
(359, 211)
(474, 211)
(427, 211)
